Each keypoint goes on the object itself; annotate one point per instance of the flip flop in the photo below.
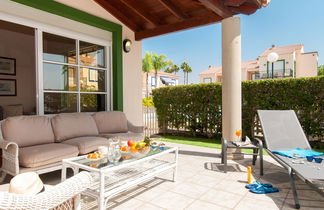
(257, 184)
(264, 190)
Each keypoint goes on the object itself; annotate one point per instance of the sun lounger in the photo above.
(282, 131)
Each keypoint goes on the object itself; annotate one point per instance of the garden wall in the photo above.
(196, 109)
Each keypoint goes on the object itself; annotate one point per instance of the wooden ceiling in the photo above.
(148, 18)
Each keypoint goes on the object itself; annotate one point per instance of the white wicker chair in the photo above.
(63, 196)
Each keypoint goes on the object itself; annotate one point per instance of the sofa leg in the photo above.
(2, 176)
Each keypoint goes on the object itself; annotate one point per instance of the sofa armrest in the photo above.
(134, 128)
(10, 161)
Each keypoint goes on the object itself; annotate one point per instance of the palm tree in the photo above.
(172, 68)
(186, 70)
(147, 67)
(159, 62)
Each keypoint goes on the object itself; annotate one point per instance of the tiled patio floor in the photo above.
(201, 184)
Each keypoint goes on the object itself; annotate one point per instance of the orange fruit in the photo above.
(238, 133)
(124, 149)
(133, 150)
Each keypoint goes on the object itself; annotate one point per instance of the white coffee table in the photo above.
(112, 179)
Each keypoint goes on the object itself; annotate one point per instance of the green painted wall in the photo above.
(83, 17)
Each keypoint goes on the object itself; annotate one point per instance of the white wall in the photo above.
(289, 61)
(131, 61)
(20, 46)
(203, 76)
(306, 65)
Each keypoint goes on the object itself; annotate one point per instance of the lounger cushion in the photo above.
(124, 136)
(39, 155)
(87, 144)
(72, 125)
(111, 122)
(28, 130)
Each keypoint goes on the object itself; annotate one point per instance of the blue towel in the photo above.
(297, 153)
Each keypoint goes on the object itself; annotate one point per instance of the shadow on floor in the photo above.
(202, 154)
(90, 203)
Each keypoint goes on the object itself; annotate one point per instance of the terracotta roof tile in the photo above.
(283, 49)
(250, 65)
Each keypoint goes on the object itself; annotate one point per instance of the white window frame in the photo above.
(39, 29)
(210, 80)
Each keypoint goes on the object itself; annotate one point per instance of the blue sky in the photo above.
(283, 22)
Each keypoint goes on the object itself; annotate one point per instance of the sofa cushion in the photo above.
(39, 155)
(111, 122)
(87, 144)
(124, 136)
(71, 125)
(28, 130)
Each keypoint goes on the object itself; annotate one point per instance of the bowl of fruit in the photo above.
(94, 156)
(138, 149)
(125, 152)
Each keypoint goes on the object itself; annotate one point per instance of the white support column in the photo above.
(231, 81)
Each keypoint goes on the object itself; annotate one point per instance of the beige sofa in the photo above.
(39, 143)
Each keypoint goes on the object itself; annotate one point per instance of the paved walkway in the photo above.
(201, 184)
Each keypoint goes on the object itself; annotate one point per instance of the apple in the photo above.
(130, 143)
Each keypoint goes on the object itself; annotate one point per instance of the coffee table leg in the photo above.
(176, 167)
(63, 173)
(75, 170)
(102, 192)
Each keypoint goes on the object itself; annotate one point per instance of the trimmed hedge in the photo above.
(197, 108)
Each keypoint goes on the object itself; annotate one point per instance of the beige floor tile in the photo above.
(232, 186)
(169, 185)
(249, 203)
(148, 206)
(172, 201)
(151, 194)
(190, 189)
(204, 205)
(219, 197)
(130, 204)
(183, 175)
(204, 180)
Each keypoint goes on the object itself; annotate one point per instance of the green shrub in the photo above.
(197, 107)
(148, 102)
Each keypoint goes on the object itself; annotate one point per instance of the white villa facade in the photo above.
(292, 62)
(164, 79)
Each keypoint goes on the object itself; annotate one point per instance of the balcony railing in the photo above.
(276, 74)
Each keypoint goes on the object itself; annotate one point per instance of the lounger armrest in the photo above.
(10, 162)
(134, 128)
(224, 142)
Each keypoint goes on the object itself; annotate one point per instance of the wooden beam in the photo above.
(174, 9)
(182, 25)
(118, 14)
(136, 7)
(246, 9)
(234, 3)
(217, 7)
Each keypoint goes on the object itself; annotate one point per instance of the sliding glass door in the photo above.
(76, 75)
